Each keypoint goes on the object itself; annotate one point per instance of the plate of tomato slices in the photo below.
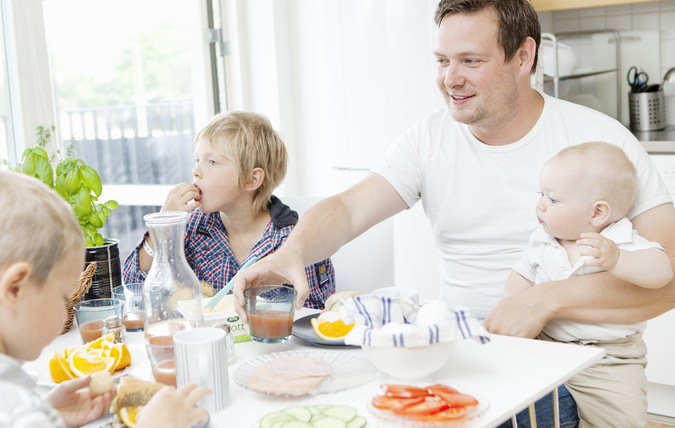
(428, 405)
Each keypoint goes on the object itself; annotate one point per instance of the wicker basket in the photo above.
(85, 283)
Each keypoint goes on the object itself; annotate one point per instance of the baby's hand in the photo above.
(604, 252)
(183, 197)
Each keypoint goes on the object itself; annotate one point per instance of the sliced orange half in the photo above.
(58, 368)
(329, 326)
(98, 343)
(83, 363)
(128, 415)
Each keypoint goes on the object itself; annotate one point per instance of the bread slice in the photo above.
(133, 392)
(333, 298)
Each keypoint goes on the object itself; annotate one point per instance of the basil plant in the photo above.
(77, 183)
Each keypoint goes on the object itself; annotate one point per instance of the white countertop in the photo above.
(509, 373)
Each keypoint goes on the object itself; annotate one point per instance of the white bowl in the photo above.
(410, 364)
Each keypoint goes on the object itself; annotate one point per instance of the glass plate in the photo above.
(349, 370)
(392, 419)
(44, 378)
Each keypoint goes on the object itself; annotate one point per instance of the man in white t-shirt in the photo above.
(475, 168)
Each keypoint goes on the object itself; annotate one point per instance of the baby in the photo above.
(587, 191)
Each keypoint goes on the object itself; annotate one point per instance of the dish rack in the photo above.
(556, 78)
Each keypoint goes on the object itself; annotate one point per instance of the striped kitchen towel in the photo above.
(391, 321)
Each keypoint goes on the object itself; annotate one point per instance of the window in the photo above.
(129, 81)
(7, 150)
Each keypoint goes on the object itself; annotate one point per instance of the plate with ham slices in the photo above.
(306, 372)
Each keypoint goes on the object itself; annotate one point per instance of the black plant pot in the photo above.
(108, 273)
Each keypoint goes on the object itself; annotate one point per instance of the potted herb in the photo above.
(80, 185)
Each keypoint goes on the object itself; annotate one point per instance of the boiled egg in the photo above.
(433, 312)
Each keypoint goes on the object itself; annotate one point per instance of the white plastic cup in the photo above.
(201, 358)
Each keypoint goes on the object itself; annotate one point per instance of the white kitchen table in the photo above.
(510, 373)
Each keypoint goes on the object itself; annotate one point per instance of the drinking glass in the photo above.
(161, 356)
(90, 314)
(270, 310)
(132, 295)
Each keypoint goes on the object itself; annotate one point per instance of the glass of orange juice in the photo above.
(90, 314)
(132, 295)
(270, 310)
(161, 356)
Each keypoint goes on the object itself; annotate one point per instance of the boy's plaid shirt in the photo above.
(208, 252)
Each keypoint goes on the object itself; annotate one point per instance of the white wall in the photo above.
(341, 79)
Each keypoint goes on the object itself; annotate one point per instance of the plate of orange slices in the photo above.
(322, 329)
(102, 354)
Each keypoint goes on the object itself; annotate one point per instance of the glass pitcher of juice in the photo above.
(171, 291)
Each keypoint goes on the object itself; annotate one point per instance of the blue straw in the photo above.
(228, 287)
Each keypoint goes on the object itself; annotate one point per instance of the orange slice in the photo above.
(125, 358)
(128, 415)
(58, 368)
(120, 352)
(83, 363)
(329, 326)
(98, 343)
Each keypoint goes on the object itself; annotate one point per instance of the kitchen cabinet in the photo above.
(545, 5)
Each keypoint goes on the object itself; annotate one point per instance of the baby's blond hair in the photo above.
(251, 142)
(37, 225)
(613, 174)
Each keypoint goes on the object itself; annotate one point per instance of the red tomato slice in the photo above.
(404, 391)
(440, 387)
(427, 407)
(392, 403)
(449, 414)
(456, 398)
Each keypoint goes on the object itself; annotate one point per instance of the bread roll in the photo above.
(133, 392)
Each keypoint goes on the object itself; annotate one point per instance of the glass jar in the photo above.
(113, 324)
(171, 291)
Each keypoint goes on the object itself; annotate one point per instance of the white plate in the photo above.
(393, 420)
(349, 370)
(41, 369)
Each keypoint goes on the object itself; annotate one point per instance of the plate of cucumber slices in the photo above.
(318, 416)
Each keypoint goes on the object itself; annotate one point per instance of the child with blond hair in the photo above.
(41, 258)
(587, 191)
(234, 217)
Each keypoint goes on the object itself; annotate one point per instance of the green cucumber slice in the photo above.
(268, 421)
(329, 422)
(296, 424)
(344, 413)
(357, 422)
(302, 414)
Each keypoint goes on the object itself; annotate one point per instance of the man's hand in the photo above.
(282, 266)
(604, 252)
(184, 197)
(519, 314)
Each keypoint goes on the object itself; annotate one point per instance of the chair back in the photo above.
(366, 262)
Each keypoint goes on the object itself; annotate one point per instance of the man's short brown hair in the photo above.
(517, 21)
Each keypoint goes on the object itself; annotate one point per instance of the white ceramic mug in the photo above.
(201, 358)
